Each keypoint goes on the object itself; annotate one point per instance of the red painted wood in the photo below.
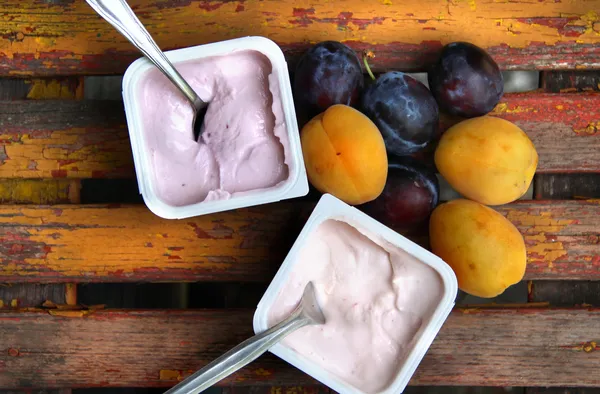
(487, 347)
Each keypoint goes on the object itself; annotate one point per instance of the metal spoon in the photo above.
(306, 313)
(121, 16)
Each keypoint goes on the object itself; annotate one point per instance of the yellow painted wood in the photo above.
(68, 37)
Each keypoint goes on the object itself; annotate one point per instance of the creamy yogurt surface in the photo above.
(375, 298)
(244, 145)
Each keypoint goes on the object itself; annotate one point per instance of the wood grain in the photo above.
(120, 244)
(560, 237)
(89, 139)
(567, 186)
(522, 347)
(38, 191)
(30, 295)
(86, 243)
(41, 88)
(64, 139)
(67, 37)
(565, 293)
(565, 129)
(570, 81)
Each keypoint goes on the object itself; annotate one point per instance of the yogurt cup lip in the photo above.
(296, 185)
(330, 207)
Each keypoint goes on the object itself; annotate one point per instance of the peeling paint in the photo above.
(586, 347)
(72, 246)
(516, 33)
(68, 313)
(173, 374)
(54, 89)
(262, 372)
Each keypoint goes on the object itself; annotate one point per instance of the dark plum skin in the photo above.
(409, 196)
(465, 80)
(328, 73)
(404, 111)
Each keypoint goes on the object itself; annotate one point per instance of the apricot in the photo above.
(487, 159)
(344, 155)
(485, 250)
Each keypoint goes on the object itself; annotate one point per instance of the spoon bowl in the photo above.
(121, 17)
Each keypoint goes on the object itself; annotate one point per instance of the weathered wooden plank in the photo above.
(570, 81)
(560, 237)
(63, 243)
(565, 293)
(521, 347)
(30, 295)
(564, 128)
(41, 88)
(38, 191)
(567, 186)
(64, 139)
(94, 243)
(67, 37)
(89, 139)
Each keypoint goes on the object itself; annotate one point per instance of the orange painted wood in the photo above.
(41, 88)
(64, 139)
(89, 139)
(83, 243)
(67, 37)
(489, 347)
(39, 191)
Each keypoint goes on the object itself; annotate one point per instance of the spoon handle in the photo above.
(239, 356)
(121, 16)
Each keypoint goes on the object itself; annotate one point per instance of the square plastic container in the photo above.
(330, 207)
(295, 186)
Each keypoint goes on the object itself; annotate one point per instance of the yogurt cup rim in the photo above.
(295, 185)
(330, 207)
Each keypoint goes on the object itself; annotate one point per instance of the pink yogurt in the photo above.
(375, 298)
(244, 146)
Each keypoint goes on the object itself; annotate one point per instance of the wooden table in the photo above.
(66, 170)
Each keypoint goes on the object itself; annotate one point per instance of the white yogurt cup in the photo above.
(295, 186)
(330, 207)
